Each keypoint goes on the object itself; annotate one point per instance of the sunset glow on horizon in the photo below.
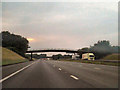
(30, 39)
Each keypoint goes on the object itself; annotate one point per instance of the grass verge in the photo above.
(112, 57)
(94, 62)
(10, 57)
(9, 62)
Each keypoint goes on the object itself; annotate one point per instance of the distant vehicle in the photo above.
(76, 57)
(88, 56)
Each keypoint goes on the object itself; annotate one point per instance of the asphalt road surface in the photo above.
(59, 74)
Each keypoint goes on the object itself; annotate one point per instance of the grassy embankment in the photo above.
(112, 57)
(109, 57)
(10, 57)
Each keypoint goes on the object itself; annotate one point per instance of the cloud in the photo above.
(56, 41)
(66, 25)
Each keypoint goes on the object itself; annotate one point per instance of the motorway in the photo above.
(59, 74)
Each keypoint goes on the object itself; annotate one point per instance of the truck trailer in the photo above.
(88, 56)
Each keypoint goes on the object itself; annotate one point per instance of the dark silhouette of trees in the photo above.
(60, 56)
(101, 49)
(14, 42)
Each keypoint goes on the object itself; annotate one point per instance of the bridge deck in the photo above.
(67, 51)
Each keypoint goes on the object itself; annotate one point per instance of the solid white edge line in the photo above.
(74, 77)
(15, 73)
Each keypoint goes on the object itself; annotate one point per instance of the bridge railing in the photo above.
(52, 49)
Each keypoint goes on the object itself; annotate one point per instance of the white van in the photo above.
(88, 56)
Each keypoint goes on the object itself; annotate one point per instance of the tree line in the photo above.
(60, 56)
(101, 49)
(14, 42)
(54, 57)
(20, 45)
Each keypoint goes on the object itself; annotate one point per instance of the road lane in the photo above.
(105, 76)
(16, 72)
(43, 75)
(7, 70)
(62, 74)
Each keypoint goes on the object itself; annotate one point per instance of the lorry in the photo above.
(88, 56)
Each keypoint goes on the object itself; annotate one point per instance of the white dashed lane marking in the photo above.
(74, 77)
(60, 69)
(97, 68)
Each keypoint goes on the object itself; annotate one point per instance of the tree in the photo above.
(58, 56)
(83, 50)
(14, 42)
(116, 49)
(101, 49)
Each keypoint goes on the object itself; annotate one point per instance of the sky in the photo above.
(70, 25)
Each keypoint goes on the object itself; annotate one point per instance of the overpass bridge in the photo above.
(54, 50)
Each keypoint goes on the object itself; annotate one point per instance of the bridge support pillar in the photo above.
(31, 57)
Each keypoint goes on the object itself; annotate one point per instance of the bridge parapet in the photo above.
(52, 49)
